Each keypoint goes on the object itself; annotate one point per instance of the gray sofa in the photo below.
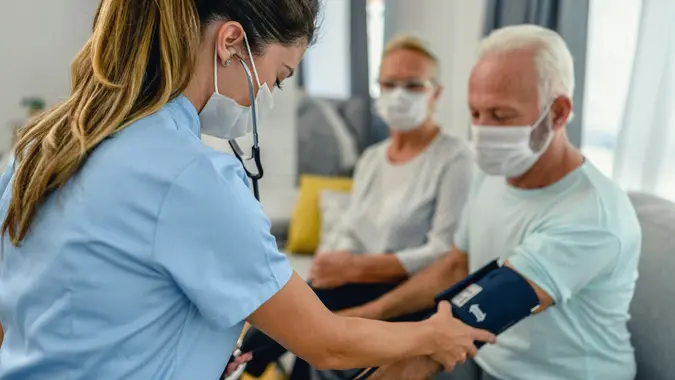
(652, 325)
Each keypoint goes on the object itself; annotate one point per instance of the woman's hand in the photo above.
(454, 341)
(331, 270)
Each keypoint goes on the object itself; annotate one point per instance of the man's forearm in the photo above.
(378, 269)
(418, 293)
(420, 368)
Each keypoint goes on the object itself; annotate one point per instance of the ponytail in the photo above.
(140, 56)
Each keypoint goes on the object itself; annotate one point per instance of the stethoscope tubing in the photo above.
(255, 149)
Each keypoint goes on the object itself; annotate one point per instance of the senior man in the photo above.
(546, 213)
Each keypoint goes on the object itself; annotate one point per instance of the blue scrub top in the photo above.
(144, 266)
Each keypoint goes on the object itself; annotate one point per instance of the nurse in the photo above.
(132, 251)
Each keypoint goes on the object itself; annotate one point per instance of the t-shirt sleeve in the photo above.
(461, 236)
(564, 259)
(214, 240)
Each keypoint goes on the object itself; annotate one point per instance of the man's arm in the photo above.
(420, 368)
(417, 293)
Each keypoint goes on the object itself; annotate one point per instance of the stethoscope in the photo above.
(255, 149)
(255, 177)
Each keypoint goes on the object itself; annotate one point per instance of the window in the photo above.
(612, 38)
(375, 9)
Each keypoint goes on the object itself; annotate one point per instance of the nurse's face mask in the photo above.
(511, 151)
(223, 117)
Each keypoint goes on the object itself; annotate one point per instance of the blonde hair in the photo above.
(412, 43)
(141, 55)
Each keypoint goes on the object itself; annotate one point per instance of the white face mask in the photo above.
(506, 150)
(403, 110)
(223, 117)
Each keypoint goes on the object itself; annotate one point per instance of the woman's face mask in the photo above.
(403, 110)
(507, 150)
(223, 117)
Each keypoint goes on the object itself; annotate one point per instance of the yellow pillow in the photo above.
(305, 227)
(272, 373)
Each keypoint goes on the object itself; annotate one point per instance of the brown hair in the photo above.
(140, 56)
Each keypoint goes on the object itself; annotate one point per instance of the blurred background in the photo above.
(624, 54)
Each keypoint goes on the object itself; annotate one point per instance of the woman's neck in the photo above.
(403, 146)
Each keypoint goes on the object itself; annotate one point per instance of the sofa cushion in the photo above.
(332, 206)
(303, 234)
(653, 305)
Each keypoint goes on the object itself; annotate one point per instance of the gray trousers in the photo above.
(467, 371)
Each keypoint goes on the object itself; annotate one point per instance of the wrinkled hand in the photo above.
(243, 359)
(454, 341)
(331, 270)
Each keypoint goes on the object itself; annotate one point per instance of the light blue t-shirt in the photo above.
(579, 240)
(143, 267)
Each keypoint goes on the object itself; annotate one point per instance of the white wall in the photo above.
(38, 41)
(453, 29)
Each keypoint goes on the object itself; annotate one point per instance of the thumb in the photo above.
(444, 307)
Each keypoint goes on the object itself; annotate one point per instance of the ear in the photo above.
(562, 112)
(438, 91)
(229, 37)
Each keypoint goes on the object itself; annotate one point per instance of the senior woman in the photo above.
(408, 194)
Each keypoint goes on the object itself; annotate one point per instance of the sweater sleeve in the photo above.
(453, 192)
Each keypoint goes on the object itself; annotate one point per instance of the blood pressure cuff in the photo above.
(493, 299)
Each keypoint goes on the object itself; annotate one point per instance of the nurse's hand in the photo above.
(331, 270)
(454, 341)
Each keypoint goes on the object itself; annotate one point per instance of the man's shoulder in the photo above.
(598, 202)
(602, 196)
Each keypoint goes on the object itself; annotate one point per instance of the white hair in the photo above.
(553, 59)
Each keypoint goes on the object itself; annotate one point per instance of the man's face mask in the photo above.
(508, 150)
(403, 110)
(223, 117)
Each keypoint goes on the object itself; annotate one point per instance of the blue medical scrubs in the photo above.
(144, 266)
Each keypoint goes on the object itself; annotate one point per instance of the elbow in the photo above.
(324, 361)
(328, 358)
(332, 350)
